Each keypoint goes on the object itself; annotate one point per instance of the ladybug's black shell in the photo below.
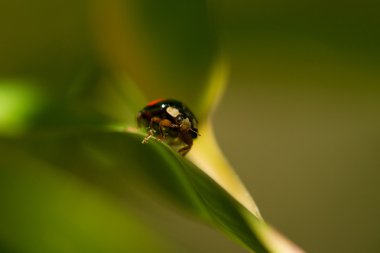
(158, 109)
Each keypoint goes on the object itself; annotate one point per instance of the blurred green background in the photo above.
(299, 120)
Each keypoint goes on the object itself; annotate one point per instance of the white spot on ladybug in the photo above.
(185, 124)
(172, 111)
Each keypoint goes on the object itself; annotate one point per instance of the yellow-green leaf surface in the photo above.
(116, 162)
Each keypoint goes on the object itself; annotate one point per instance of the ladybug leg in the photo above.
(166, 123)
(154, 120)
(188, 140)
(150, 134)
(151, 130)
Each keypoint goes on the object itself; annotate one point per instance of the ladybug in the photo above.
(170, 121)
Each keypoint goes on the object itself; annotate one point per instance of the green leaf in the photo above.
(47, 209)
(117, 162)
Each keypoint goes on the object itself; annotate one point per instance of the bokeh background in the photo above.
(299, 119)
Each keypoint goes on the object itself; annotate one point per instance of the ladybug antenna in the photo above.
(195, 132)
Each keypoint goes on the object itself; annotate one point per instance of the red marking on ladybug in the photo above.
(155, 101)
(170, 121)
